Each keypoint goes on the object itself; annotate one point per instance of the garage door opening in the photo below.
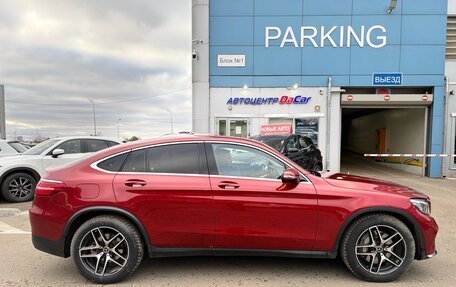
(385, 130)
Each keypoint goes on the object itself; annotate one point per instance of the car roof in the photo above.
(176, 139)
(86, 137)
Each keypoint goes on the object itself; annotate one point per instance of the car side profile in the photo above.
(11, 148)
(206, 195)
(19, 174)
(298, 148)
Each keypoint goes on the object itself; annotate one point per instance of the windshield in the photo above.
(18, 147)
(40, 148)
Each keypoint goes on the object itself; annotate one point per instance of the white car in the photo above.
(9, 148)
(19, 174)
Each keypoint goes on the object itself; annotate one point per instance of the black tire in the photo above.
(18, 187)
(126, 249)
(368, 262)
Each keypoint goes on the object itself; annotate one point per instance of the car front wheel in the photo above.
(378, 247)
(18, 187)
(107, 249)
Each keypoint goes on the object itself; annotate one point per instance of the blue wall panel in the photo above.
(326, 7)
(421, 59)
(420, 7)
(276, 8)
(277, 61)
(423, 30)
(379, 60)
(322, 81)
(231, 7)
(276, 81)
(231, 31)
(379, 7)
(232, 81)
(313, 65)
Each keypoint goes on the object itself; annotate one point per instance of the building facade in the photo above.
(449, 164)
(358, 76)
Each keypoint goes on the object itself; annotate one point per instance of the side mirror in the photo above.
(57, 152)
(292, 150)
(290, 176)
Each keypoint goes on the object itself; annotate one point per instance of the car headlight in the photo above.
(423, 205)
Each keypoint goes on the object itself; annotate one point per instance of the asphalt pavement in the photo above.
(22, 265)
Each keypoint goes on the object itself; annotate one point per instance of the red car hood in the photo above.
(369, 184)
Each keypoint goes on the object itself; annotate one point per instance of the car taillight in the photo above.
(48, 187)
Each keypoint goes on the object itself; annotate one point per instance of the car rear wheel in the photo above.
(107, 249)
(378, 248)
(18, 187)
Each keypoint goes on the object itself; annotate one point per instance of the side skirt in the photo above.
(184, 252)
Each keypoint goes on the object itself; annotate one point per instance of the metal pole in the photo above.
(172, 124)
(94, 121)
(328, 123)
(2, 113)
(118, 135)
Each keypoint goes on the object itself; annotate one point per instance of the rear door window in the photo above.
(136, 162)
(96, 145)
(114, 163)
(71, 146)
(176, 158)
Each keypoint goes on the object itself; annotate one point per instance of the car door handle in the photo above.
(228, 185)
(135, 183)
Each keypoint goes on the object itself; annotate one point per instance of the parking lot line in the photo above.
(8, 229)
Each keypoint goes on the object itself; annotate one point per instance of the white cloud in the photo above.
(56, 55)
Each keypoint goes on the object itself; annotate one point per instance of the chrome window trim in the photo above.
(165, 144)
(164, 173)
(245, 177)
(94, 164)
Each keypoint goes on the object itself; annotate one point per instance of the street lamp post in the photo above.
(94, 121)
(172, 124)
(118, 135)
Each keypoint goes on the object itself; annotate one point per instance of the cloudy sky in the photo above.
(132, 57)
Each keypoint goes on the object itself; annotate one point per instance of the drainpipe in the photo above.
(328, 108)
(445, 161)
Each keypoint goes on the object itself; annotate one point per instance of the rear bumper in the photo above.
(49, 246)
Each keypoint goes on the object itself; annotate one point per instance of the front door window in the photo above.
(241, 161)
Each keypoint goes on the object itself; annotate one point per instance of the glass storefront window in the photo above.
(232, 127)
(222, 127)
(238, 128)
(273, 121)
(307, 127)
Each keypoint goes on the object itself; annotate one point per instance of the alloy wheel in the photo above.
(20, 187)
(380, 249)
(104, 251)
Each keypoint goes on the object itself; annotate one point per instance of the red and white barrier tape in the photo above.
(407, 155)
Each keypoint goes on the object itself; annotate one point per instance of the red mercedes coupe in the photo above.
(205, 195)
